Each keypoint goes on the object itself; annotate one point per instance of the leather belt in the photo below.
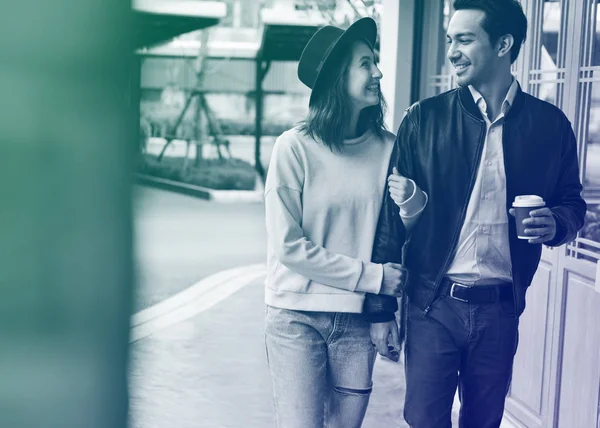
(476, 294)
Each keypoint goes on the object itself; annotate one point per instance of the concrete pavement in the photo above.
(197, 351)
(180, 239)
(210, 371)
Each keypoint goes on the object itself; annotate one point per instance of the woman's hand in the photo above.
(392, 283)
(385, 338)
(400, 188)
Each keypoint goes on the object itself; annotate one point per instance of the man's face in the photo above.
(470, 50)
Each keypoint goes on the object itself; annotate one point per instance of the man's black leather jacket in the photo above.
(439, 145)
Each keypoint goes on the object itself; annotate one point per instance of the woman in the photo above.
(323, 194)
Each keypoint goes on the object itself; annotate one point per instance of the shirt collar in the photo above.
(509, 99)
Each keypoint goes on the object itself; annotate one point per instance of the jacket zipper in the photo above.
(509, 249)
(457, 232)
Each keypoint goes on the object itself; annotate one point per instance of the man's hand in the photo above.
(541, 226)
(392, 283)
(400, 188)
(384, 336)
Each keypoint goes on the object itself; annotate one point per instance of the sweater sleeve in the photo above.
(283, 206)
(411, 209)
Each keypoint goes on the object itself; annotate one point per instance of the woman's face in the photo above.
(362, 83)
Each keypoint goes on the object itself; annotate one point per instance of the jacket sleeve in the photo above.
(391, 233)
(567, 205)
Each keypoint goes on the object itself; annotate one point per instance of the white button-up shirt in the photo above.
(483, 252)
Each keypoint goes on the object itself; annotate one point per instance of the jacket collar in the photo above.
(468, 103)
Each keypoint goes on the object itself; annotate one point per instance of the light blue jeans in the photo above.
(321, 366)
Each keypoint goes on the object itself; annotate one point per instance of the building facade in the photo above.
(556, 379)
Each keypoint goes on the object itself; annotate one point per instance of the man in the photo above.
(472, 150)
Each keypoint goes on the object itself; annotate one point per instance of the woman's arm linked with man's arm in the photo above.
(283, 205)
(402, 205)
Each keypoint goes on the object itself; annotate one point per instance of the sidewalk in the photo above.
(210, 371)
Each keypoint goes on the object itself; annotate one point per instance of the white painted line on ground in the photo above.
(190, 302)
(191, 293)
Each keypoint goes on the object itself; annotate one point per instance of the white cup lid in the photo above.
(528, 201)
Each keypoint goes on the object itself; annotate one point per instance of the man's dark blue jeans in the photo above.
(457, 344)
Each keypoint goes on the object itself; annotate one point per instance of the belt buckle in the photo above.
(455, 284)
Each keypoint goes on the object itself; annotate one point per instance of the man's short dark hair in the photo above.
(501, 17)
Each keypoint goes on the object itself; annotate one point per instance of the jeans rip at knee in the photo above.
(353, 391)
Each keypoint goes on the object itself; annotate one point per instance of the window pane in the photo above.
(442, 78)
(592, 170)
(595, 23)
(588, 120)
(551, 30)
(547, 77)
(589, 96)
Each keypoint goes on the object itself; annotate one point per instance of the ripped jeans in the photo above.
(321, 366)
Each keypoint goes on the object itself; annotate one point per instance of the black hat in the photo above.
(317, 55)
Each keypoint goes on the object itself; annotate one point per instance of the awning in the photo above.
(285, 35)
(157, 21)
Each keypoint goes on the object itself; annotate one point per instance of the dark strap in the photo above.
(477, 294)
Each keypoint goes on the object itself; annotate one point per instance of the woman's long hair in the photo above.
(330, 109)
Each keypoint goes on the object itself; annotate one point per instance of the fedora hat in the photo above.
(324, 47)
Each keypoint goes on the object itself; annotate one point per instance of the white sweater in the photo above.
(321, 212)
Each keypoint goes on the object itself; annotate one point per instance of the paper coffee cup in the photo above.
(523, 205)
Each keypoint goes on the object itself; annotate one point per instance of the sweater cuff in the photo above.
(370, 278)
(415, 204)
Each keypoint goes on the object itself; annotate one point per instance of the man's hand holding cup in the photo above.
(533, 219)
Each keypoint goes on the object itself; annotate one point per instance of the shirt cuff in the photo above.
(415, 204)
